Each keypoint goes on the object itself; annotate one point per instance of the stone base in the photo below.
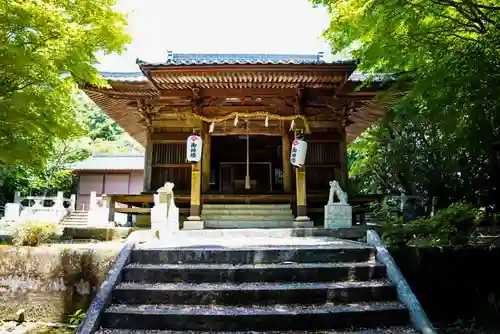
(303, 223)
(193, 223)
(338, 215)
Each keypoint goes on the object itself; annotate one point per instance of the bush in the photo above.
(35, 233)
(456, 225)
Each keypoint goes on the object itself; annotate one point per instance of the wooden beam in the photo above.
(324, 124)
(172, 166)
(245, 108)
(176, 123)
(123, 198)
(170, 136)
(270, 131)
(133, 210)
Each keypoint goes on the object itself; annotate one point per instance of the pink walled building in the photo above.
(110, 173)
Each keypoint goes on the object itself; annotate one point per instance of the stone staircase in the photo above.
(76, 219)
(256, 289)
(227, 216)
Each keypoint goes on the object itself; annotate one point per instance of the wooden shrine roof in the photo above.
(213, 85)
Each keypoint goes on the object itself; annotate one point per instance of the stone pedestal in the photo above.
(303, 224)
(12, 211)
(338, 215)
(193, 223)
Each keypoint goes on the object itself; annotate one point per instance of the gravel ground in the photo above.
(12, 327)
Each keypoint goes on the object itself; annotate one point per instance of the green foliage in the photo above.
(35, 233)
(453, 226)
(97, 124)
(441, 138)
(102, 134)
(76, 318)
(46, 47)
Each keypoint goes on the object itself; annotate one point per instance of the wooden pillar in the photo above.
(344, 170)
(205, 160)
(148, 162)
(301, 193)
(112, 207)
(300, 186)
(287, 167)
(194, 222)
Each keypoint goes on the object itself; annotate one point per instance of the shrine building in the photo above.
(246, 111)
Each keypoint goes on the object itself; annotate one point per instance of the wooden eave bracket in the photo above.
(144, 110)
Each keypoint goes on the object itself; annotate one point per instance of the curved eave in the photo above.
(105, 171)
(119, 111)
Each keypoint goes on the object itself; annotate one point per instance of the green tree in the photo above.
(46, 48)
(441, 137)
(97, 124)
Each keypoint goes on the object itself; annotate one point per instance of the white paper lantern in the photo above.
(193, 148)
(298, 154)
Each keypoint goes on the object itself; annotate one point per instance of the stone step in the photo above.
(253, 293)
(247, 206)
(386, 330)
(242, 217)
(257, 211)
(341, 252)
(284, 272)
(246, 224)
(274, 317)
(76, 219)
(355, 233)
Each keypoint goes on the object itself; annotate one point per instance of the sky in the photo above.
(217, 26)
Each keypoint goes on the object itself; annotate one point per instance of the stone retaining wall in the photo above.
(49, 282)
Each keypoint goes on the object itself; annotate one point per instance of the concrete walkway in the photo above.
(237, 239)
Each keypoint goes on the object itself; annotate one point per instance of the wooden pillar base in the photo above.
(195, 211)
(301, 210)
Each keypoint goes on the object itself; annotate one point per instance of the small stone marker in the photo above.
(337, 214)
(20, 316)
(12, 211)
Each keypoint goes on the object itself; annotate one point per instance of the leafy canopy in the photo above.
(442, 137)
(46, 47)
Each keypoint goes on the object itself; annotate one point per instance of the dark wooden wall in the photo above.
(322, 161)
(169, 165)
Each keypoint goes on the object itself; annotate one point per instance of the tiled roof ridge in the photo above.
(278, 56)
(184, 59)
